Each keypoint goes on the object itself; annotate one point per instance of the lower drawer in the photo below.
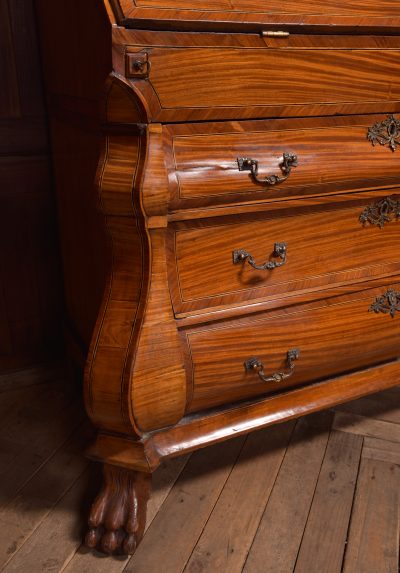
(331, 337)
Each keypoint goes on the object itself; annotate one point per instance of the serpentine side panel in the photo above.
(110, 356)
(158, 390)
(135, 379)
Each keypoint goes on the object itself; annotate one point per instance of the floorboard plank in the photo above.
(375, 449)
(229, 532)
(17, 405)
(278, 538)
(57, 538)
(12, 400)
(24, 513)
(377, 407)
(37, 444)
(373, 544)
(330, 511)
(363, 426)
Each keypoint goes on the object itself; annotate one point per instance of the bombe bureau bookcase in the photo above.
(228, 180)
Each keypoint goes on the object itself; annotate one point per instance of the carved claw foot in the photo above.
(118, 515)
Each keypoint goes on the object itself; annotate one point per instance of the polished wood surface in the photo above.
(332, 153)
(191, 77)
(305, 7)
(198, 431)
(222, 15)
(336, 248)
(116, 321)
(177, 320)
(332, 337)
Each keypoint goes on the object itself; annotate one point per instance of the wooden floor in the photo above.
(317, 496)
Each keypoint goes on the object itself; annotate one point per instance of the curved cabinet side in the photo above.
(109, 363)
(135, 379)
(158, 389)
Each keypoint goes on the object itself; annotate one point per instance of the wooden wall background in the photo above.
(30, 275)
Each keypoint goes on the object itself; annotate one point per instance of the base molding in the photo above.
(124, 452)
(197, 431)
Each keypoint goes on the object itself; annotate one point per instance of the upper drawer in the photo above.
(333, 155)
(187, 77)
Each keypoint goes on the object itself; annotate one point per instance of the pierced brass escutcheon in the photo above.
(254, 364)
(248, 164)
(388, 303)
(381, 212)
(385, 132)
(280, 251)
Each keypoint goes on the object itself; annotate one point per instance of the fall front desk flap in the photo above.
(236, 14)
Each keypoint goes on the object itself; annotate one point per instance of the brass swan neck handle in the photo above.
(280, 252)
(248, 164)
(254, 364)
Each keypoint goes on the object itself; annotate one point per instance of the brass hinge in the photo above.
(274, 34)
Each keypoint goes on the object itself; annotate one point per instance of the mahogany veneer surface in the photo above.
(338, 248)
(302, 97)
(333, 153)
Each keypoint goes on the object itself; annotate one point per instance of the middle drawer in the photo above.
(218, 262)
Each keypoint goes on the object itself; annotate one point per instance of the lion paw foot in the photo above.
(118, 515)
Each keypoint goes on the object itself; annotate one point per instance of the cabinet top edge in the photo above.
(169, 18)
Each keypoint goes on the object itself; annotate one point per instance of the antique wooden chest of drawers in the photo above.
(238, 259)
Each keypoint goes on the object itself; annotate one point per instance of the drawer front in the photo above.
(248, 77)
(332, 155)
(334, 337)
(218, 263)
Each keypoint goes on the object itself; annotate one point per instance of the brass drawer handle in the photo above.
(388, 303)
(280, 251)
(381, 212)
(248, 164)
(257, 365)
(385, 132)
